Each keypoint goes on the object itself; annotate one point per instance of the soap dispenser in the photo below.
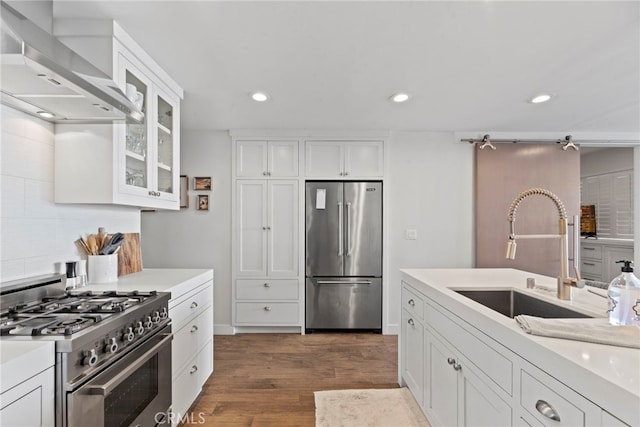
(624, 297)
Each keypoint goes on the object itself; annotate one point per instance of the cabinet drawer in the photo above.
(538, 398)
(190, 305)
(490, 362)
(263, 313)
(267, 289)
(589, 267)
(188, 383)
(591, 251)
(191, 338)
(412, 303)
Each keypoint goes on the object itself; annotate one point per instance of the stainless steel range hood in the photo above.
(42, 75)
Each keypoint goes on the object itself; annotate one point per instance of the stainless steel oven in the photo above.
(135, 391)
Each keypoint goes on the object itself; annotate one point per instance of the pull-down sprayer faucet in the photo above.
(565, 282)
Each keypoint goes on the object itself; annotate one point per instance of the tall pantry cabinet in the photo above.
(266, 233)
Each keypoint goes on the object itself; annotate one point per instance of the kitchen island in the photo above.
(483, 366)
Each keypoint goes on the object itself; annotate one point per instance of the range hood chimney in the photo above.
(43, 77)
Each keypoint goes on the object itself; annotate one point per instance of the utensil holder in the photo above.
(103, 268)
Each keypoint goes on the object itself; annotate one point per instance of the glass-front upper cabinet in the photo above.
(166, 129)
(137, 134)
(151, 147)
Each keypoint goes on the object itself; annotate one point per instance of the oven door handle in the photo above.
(105, 389)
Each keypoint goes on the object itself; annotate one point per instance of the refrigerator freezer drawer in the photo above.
(343, 303)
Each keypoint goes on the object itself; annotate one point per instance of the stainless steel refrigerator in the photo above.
(343, 255)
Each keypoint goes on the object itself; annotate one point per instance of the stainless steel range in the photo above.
(113, 349)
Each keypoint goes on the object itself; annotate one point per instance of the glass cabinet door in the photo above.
(165, 165)
(137, 135)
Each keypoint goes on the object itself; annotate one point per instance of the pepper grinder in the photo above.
(82, 273)
(71, 275)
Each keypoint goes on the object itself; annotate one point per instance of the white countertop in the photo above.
(608, 376)
(174, 280)
(21, 360)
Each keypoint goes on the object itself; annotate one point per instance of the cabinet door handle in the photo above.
(547, 410)
(451, 360)
(411, 302)
(267, 308)
(193, 369)
(267, 285)
(194, 328)
(194, 304)
(264, 173)
(410, 321)
(346, 173)
(457, 366)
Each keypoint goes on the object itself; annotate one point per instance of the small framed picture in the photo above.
(202, 183)
(184, 191)
(203, 202)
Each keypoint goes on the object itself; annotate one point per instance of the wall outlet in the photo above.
(410, 234)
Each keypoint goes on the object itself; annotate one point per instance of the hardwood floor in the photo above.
(269, 379)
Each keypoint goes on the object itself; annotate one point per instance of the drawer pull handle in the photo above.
(451, 361)
(547, 410)
(194, 304)
(194, 328)
(193, 369)
(587, 248)
(266, 285)
(588, 263)
(267, 308)
(411, 302)
(410, 321)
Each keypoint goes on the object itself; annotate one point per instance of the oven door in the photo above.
(134, 391)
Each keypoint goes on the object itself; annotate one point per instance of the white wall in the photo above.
(198, 239)
(429, 184)
(38, 235)
(606, 160)
(428, 187)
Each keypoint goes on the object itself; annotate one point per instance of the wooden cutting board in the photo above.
(129, 255)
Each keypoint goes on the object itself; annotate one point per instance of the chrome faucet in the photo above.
(565, 282)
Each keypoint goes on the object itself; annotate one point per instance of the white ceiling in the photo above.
(469, 66)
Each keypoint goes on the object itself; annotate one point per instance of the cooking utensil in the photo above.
(80, 242)
(113, 244)
(92, 243)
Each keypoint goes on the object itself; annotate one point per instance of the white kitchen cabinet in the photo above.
(267, 228)
(272, 158)
(27, 378)
(191, 312)
(344, 159)
(413, 355)
(457, 396)
(132, 163)
(266, 253)
(598, 258)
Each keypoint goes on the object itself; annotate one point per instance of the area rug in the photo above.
(371, 407)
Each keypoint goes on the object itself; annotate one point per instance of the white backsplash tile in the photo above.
(12, 193)
(38, 235)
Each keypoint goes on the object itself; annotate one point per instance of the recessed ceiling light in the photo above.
(45, 114)
(399, 97)
(539, 99)
(259, 96)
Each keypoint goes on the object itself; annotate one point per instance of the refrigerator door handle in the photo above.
(340, 230)
(349, 229)
(343, 282)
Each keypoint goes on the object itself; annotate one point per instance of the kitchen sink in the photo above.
(511, 304)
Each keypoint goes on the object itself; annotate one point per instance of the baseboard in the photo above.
(392, 330)
(223, 330)
(267, 330)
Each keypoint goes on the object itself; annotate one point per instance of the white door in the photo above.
(324, 159)
(442, 383)
(251, 158)
(282, 158)
(364, 158)
(251, 214)
(479, 405)
(282, 228)
(413, 355)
